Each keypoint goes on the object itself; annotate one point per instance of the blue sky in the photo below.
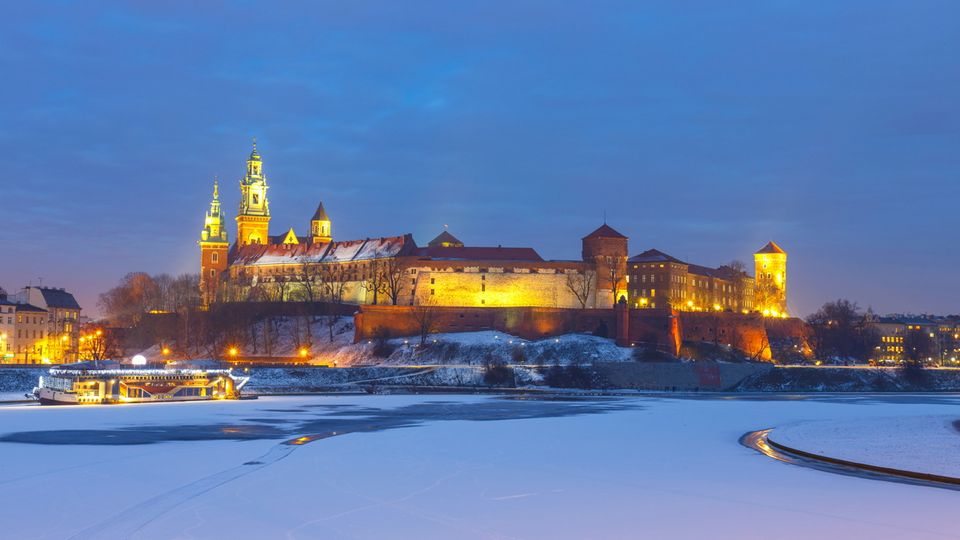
(703, 129)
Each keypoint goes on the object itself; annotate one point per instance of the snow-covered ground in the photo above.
(447, 467)
(927, 444)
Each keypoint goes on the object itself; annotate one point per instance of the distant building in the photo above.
(944, 334)
(259, 266)
(8, 328)
(39, 325)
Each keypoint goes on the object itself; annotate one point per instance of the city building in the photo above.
(39, 325)
(395, 270)
(941, 335)
(8, 328)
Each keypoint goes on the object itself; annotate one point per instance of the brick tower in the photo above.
(607, 249)
(770, 290)
(213, 249)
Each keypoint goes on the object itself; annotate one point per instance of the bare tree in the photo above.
(281, 285)
(426, 315)
(375, 281)
(394, 272)
(616, 277)
(311, 280)
(125, 304)
(581, 284)
(738, 280)
(334, 283)
(918, 347)
(98, 343)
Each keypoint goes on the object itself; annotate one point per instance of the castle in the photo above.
(396, 270)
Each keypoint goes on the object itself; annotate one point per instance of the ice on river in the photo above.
(447, 467)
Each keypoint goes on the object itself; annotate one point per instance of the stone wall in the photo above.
(503, 286)
(525, 322)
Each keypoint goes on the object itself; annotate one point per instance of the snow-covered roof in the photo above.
(330, 252)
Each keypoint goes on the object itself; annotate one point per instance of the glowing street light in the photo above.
(304, 352)
(233, 351)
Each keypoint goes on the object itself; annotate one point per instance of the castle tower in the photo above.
(607, 250)
(770, 290)
(253, 220)
(213, 249)
(320, 226)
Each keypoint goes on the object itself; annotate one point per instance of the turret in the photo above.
(770, 289)
(214, 246)
(253, 219)
(320, 232)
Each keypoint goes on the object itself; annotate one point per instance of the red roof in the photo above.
(604, 231)
(480, 253)
(771, 247)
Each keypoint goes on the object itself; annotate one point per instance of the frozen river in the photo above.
(448, 467)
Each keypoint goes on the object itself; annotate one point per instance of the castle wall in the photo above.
(524, 322)
(505, 286)
(747, 333)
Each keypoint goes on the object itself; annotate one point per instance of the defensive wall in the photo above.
(661, 329)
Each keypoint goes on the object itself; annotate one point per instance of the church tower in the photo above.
(213, 249)
(770, 288)
(320, 227)
(253, 220)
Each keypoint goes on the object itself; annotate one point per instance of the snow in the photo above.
(456, 467)
(467, 348)
(927, 444)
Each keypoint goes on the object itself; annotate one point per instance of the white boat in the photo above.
(108, 382)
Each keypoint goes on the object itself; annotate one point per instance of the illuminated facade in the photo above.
(660, 280)
(944, 334)
(253, 219)
(445, 272)
(214, 249)
(771, 280)
(39, 325)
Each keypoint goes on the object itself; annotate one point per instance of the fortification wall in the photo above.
(497, 287)
(525, 322)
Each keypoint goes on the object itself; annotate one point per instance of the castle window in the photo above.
(214, 257)
(433, 291)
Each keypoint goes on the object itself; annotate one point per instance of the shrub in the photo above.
(518, 355)
(572, 376)
(497, 374)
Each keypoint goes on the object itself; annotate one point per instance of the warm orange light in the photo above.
(99, 332)
(304, 352)
(233, 351)
(165, 351)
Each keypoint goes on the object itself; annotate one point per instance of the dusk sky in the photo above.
(703, 129)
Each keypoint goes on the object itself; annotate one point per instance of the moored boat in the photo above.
(109, 382)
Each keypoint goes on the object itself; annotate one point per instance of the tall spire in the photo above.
(213, 227)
